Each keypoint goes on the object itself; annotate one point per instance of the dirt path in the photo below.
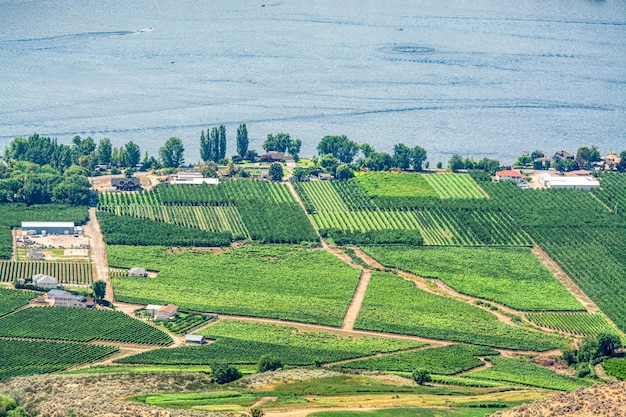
(485, 365)
(376, 355)
(262, 401)
(98, 253)
(295, 195)
(567, 282)
(357, 300)
(122, 353)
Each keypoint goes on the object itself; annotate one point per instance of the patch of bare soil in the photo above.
(101, 394)
(268, 379)
(607, 400)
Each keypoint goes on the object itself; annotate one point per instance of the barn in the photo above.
(49, 228)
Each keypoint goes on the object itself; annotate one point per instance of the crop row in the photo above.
(67, 272)
(613, 191)
(80, 325)
(616, 368)
(246, 342)
(580, 323)
(213, 219)
(12, 299)
(365, 220)
(454, 186)
(19, 357)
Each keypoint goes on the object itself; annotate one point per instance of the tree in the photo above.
(421, 376)
(588, 350)
(419, 156)
(338, 146)
(621, 167)
(586, 156)
(256, 412)
(299, 173)
(608, 344)
(242, 140)
(344, 172)
(537, 153)
(329, 163)
(276, 172)
(103, 151)
(222, 143)
(524, 160)
(214, 140)
(279, 142)
(367, 149)
(171, 153)
(564, 165)
(99, 289)
(223, 373)
(132, 154)
(269, 363)
(402, 156)
(294, 149)
(379, 161)
(455, 163)
(205, 147)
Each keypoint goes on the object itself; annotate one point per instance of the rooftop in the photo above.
(26, 225)
(508, 173)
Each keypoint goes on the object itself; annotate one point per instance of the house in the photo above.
(126, 184)
(137, 272)
(273, 156)
(50, 228)
(509, 175)
(195, 339)
(571, 182)
(151, 309)
(559, 155)
(611, 161)
(60, 298)
(35, 255)
(167, 312)
(45, 281)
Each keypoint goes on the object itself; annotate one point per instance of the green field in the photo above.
(13, 299)
(447, 360)
(511, 276)
(81, 325)
(616, 368)
(276, 281)
(448, 185)
(20, 357)
(67, 272)
(590, 324)
(389, 184)
(412, 412)
(392, 304)
(526, 373)
(245, 342)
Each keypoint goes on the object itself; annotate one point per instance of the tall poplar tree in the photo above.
(222, 145)
(205, 147)
(242, 140)
(215, 144)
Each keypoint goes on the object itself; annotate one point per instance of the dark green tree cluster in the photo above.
(282, 142)
(592, 350)
(269, 363)
(222, 373)
(171, 153)
(339, 147)
(621, 166)
(242, 140)
(457, 162)
(213, 144)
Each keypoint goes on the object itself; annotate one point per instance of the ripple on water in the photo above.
(407, 49)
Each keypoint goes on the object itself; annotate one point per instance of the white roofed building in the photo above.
(574, 182)
(45, 281)
(50, 228)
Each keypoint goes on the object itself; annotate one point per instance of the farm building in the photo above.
(152, 309)
(560, 155)
(275, 156)
(571, 182)
(195, 339)
(167, 312)
(126, 184)
(45, 281)
(35, 255)
(508, 175)
(62, 298)
(193, 178)
(49, 228)
(137, 272)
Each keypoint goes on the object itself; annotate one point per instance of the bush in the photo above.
(269, 363)
(223, 373)
(421, 376)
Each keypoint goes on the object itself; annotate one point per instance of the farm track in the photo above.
(122, 353)
(295, 195)
(485, 365)
(376, 355)
(357, 300)
(98, 253)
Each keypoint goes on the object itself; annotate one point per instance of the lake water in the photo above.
(479, 78)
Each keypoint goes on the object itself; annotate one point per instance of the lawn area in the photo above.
(277, 281)
(393, 304)
(245, 342)
(512, 276)
(392, 184)
(447, 360)
(526, 373)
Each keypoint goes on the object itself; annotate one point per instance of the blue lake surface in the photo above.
(478, 78)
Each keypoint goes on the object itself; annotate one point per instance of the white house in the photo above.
(137, 272)
(575, 183)
(62, 298)
(167, 312)
(194, 178)
(509, 175)
(152, 309)
(45, 281)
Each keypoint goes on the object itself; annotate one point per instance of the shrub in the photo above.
(421, 376)
(269, 363)
(224, 373)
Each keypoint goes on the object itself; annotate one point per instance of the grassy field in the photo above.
(526, 373)
(395, 305)
(284, 282)
(447, 360)
(82, 325)
(511, 276)
(245, 342)
(389, 184)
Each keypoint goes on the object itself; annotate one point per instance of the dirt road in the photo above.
(98, 253)
(357, 300)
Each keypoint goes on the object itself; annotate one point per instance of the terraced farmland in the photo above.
(67, 272)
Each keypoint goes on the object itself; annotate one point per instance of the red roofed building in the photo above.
(509, 175)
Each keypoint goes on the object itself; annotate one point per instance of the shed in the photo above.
(50, 228)
(45, 281)
(137, 272)
(195, 339)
